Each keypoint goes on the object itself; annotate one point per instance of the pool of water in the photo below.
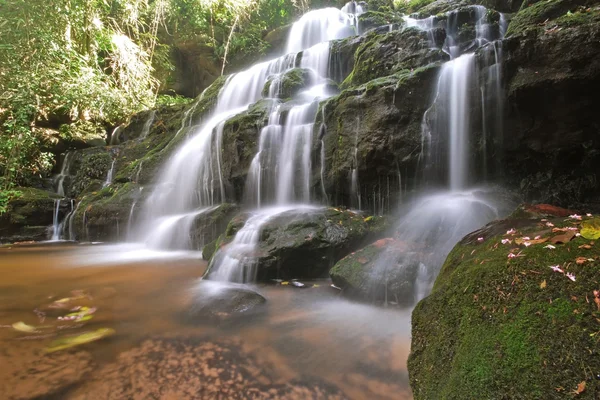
(304, 343)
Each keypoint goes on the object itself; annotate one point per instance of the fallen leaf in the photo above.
(23, 327)
(580, 387)
(543, 284)
(564, 238)
(71, 341)
(585, 246)
(580, 260)
(590, 229)
(534, 241)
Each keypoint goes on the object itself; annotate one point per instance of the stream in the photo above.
(303, 339)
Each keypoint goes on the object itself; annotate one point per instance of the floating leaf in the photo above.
(68, 342)
(369, 218)
(23, 327)
(590, 229)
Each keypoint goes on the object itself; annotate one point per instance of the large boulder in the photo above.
(299, 243)
(513, 313)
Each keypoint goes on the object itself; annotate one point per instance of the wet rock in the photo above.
(374, 19)
(29, 214)
(379, 272)
(32, 374)
(304, 243)
(290, 83)
(195, 368)
(277, 40)
(383, 55)
(550, 146)
(386, 139)
(220, 301)
(497, 326)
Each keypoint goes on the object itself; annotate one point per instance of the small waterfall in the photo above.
(148, 124)
(354, 188)
(114, 136)
(59, 182)
(237, 262)
(109, 175)
(55, 221)
(131, 210)
(323, 191)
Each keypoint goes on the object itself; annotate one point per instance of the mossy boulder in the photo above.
(385, 140)
(374, 19)
(381, 55)
(550, 14)
(514, 314)
(378, 273)
(29, 215)
(289, 84)
(302, 243)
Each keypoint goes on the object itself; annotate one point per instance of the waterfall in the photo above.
(148, 124)
(280, 172)
(109, 175)
(59, 182)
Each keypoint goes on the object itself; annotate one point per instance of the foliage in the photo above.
(5, 197)
(410, 6)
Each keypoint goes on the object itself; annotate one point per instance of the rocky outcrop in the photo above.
(551, 146)
(375, 129)
(302, 243)
(29, 215)
(513, 313)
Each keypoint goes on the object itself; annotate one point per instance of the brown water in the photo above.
(307, 343)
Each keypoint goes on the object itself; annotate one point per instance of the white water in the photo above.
(109, 175)
(148, 124)
(280, 172)
(59, 181)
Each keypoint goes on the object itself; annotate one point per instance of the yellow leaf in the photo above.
(72, 341)
(285, 283)
(590, 229)
(543, 284)
(23, 327)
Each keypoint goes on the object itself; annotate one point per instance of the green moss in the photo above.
(549, 13)
(410, 6)
(495, 327)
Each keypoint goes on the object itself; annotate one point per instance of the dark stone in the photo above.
(213, 300)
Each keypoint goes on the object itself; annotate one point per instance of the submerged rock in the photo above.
(196, 368)
(215, 300)
(513, 314)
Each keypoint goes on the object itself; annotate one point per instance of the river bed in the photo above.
(306, 343)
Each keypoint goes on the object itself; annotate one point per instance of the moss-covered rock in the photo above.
(374, 19)
(29, 215)
(510, 317)
(381, 122)
(381, 55)
(289, 84)
(302, 243)
(549, 14)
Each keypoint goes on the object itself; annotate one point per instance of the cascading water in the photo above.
(148, 124)
(281, 169)
(434, 223)
(59, 181)
(109, 175)
(192, 181)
